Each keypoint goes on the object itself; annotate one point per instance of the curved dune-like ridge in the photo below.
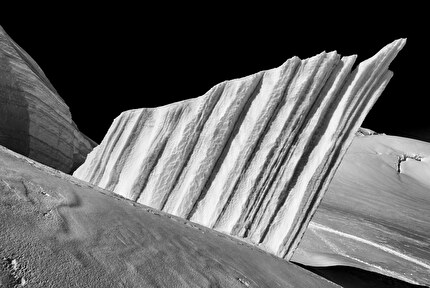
(253, 156)
(34, 120)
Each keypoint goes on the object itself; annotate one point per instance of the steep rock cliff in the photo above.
(253, 156)
(34, 120)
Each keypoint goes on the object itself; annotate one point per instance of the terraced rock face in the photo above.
(34, 120)
(253, 156)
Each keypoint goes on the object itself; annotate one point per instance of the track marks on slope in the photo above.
(386, 249)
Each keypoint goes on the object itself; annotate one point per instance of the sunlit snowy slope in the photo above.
(376, 213)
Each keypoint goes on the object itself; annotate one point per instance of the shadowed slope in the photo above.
(34, 120)
(58, 231)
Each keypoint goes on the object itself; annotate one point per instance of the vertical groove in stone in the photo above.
(362, 95)
(301, 96)
(300, 144)
(104, 150)
(157, 149)
(273, 104)
(210, 145)
(291, 152)
(315, 128)
(242, 226)
(226, 146)
(185, 148)
(125, 151)
(326, 172)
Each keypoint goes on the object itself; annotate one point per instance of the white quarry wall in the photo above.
(253, 156)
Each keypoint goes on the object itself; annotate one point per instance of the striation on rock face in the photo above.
(34, 120)
(253, 156)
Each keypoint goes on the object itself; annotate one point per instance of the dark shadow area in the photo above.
(351, 277)
(14, 116)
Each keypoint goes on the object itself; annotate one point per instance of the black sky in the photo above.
(103, 62)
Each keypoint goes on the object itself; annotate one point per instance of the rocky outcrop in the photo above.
(253, 156)
(365, 132)
(34, 120)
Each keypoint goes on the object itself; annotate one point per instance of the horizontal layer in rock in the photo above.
(34, 120)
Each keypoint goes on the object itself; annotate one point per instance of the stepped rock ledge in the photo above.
(252, 157)
(34, 120)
